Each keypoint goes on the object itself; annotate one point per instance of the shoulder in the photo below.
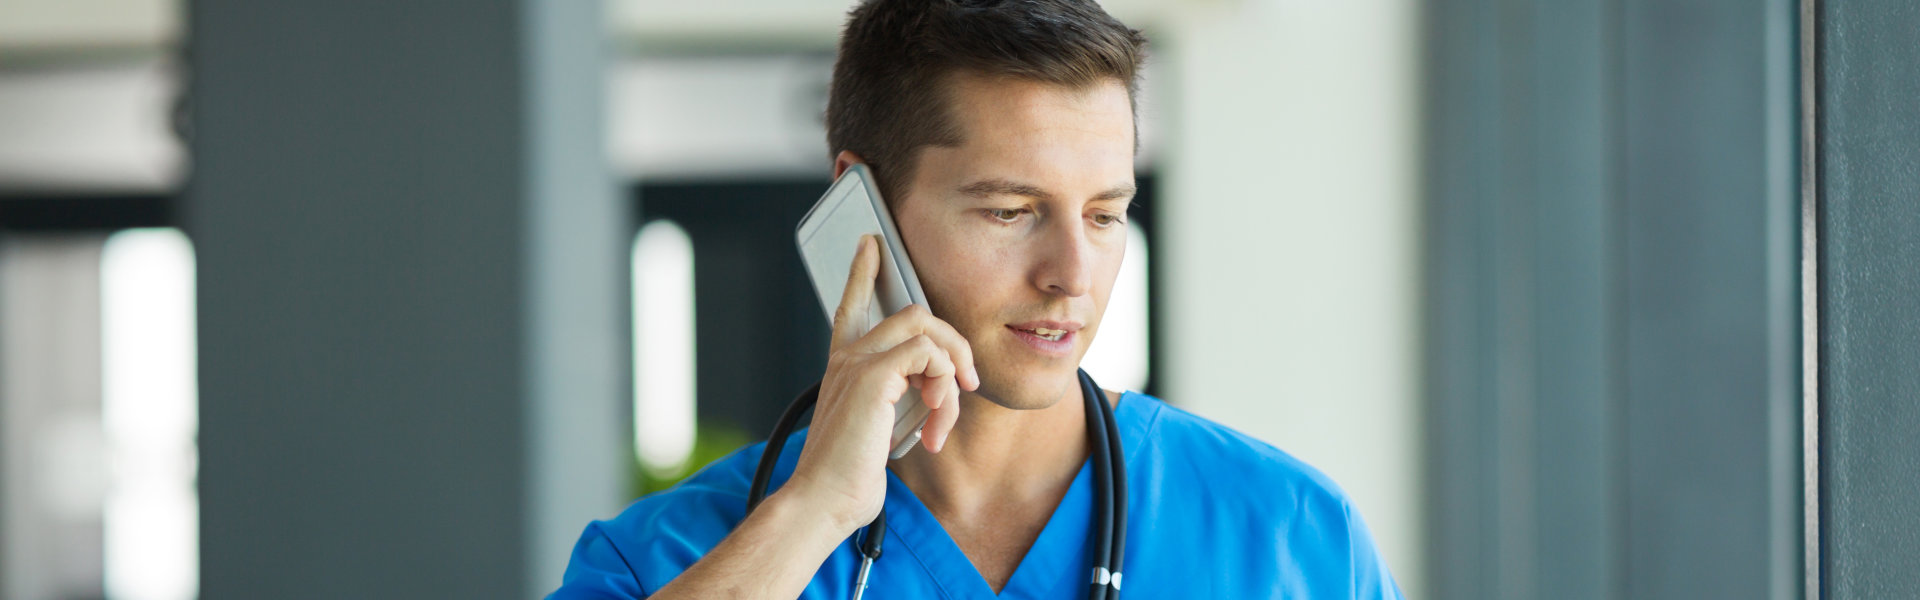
(1179, 439)
(708, 503)
(664, 533)
(1223, 477)
(1270, 507)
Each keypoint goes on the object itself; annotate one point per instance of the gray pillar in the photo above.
(1522, 272)
(1710, 310)
(410, 290)
(1613, 361)
(1868, 193)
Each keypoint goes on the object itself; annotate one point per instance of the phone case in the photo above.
(828, 237)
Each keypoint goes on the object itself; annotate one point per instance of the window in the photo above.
(149, 413)
(663, 348)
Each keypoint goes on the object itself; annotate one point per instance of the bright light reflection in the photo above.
(151, 415)
(663, 367)
(1118, 358)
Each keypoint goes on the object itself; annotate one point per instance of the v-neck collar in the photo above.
(1059, 556)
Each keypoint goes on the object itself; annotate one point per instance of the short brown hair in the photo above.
(891, 83)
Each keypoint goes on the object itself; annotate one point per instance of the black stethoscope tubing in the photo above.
(1105, 580)
(1109, 484)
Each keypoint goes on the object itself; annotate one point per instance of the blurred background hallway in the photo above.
(1576, 299)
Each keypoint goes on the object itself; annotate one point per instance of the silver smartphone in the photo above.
(828, 237)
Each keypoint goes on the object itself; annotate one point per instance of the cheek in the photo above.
(963, 285)
(1106, 274)
(957, 274)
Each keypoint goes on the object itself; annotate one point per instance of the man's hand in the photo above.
(841, 480)
(842, 468)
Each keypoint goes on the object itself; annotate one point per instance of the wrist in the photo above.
(830, 514)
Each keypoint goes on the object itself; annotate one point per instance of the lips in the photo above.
(1054, 328)
(1047, 334)
(1053, 338)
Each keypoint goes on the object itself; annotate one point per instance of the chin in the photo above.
(1029, 392)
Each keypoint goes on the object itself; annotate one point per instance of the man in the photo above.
(1002, 136)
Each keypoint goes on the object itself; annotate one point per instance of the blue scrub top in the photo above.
(1213, 513)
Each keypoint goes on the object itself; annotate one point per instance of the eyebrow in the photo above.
(1001, 187)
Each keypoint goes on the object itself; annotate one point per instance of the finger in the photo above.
(850, 318)
(936, 383)
(940, 421)
(919, 355)
(916, 357)
(917, 320)
(935, 391)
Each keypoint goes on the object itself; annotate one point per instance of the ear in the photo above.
(843, 160)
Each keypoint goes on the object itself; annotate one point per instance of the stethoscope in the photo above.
(1109, 501)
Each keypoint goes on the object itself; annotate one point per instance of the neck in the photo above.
(998, 455)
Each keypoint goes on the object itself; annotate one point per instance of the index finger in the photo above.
(915, 320)
(850, 318)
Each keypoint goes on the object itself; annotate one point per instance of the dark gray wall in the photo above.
(1868, 102)
(1711, 478)
(1612, 320)
(410, 274)
(1520, 264)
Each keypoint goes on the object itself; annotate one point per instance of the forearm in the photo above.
(774, 553)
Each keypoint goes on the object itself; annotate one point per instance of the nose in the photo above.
(1063, 268)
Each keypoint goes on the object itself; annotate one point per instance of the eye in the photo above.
(1006, 215)
(1105, 220)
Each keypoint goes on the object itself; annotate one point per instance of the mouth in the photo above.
(1052, 338)
(1051, 335)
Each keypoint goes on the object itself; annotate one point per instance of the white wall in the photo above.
(99, 125)
(763, 23)
(88, 25)
(1290, 216)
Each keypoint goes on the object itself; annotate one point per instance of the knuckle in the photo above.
(953, 335)
(841, 360)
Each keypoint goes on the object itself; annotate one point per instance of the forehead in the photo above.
(1025, 127)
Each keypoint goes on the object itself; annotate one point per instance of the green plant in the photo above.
(711, 442)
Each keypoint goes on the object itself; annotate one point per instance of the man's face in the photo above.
(1017, 233)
